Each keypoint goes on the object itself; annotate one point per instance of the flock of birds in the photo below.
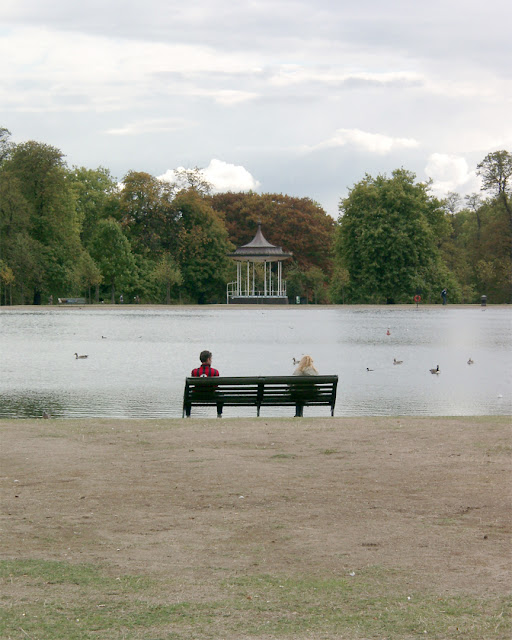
(435, 371)
(296, 361)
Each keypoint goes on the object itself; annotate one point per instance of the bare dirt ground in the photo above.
(322, 497)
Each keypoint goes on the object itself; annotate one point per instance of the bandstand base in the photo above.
(258, 300)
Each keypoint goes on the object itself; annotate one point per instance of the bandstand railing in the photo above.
(238, 290)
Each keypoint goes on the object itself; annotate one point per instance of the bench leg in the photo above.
(187, 410)
(299, 410)
(219, 409)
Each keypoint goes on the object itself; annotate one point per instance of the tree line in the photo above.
(79, 232)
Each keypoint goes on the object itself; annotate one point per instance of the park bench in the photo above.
(260, 391)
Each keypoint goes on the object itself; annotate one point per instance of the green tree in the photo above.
(111, 251)
(185, 179)
(338, 284)
(5, 145)
(40, 176)
(296, 282)
(86, 274)
(316, 284)
(388, 237)
(6, 278)
(14, 213)
(168, 274)
(203, 248)
(496, 173)
(147, 214)
(95, 191)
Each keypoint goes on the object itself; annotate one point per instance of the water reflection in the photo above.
(139, 357)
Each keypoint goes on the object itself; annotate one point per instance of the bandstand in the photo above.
(246, 289)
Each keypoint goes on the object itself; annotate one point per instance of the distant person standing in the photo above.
(444, 294)
(205, 370)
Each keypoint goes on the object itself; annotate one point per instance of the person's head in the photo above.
(306, 361)
(205, 356)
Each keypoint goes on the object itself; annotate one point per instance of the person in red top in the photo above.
(205, 370)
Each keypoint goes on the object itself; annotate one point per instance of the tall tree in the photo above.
(86, 274)
(111, 251)
(388, 241)
(95, 190)
(203, 248)
(147, 214)
(298, 225)
(496, 173)
(5, 146)
(53, 225)
(168, 274)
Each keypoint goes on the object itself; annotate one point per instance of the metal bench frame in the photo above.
(260, 391)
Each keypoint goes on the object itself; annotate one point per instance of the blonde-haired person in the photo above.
(306, 367)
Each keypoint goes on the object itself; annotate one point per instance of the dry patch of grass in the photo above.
(316, 529)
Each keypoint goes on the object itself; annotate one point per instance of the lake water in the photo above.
(140, 356)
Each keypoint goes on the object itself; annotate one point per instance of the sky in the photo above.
(300, 97)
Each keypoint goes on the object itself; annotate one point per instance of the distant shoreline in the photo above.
(276, 307)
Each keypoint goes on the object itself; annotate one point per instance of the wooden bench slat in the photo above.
(260, 391)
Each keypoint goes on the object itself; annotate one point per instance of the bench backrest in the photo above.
(261, 390)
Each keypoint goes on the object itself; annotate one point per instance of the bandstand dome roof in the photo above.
(259, 249)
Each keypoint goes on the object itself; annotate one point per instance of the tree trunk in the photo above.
(113, 293)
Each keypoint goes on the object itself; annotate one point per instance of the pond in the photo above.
(138, 357)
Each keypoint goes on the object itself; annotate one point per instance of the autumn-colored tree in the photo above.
(299, 225)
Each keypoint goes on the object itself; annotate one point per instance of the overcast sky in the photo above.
(301, 97)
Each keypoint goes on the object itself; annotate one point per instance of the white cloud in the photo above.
(155, 125)
(268, 86)
(450, 173)
(294, 74)
(222, 176)
(50, 70)
(365, 141)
